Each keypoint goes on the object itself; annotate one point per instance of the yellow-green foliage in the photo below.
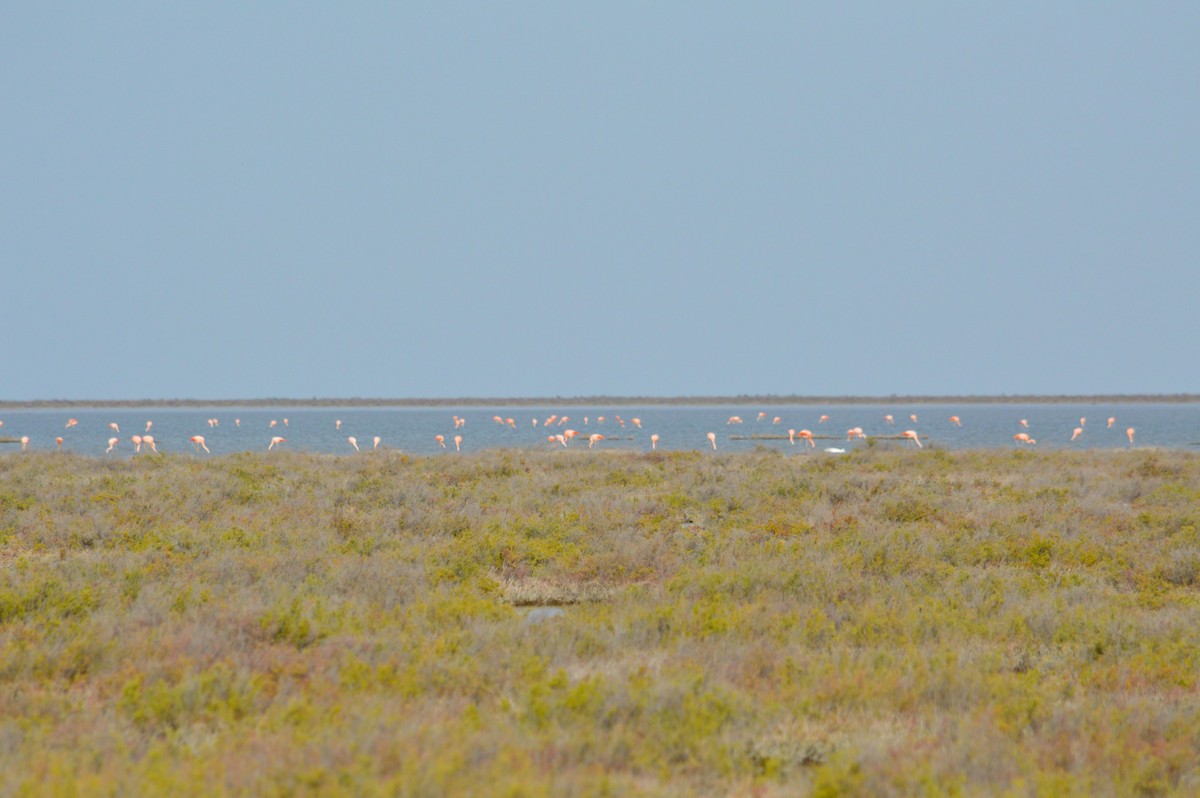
(584, 623)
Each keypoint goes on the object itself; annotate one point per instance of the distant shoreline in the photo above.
(603, 401)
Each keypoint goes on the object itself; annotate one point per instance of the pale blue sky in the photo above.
(293, 200)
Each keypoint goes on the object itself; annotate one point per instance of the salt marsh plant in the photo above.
(882, 623)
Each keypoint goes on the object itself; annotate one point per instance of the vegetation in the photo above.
(584, 623)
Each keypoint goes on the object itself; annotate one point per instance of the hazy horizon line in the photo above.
(480, 401)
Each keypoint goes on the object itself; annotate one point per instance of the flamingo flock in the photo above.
(568, 434)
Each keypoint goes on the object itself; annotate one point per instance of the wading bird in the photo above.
(913, 418)
(337, 425)
(136, 440)
(637, 422)
(149, 441)
(276, 441)
(889, 419)
(911, 434)
(441, 440)
(594, 438)
(377, 440)
(776, 420)
(149, 424)
(761, 416)
(72, 422)
(1129, 433)
(1078, 431)
(1024, 423)
(712, 438)
(112, 444)
(353, 441)
(808, 436)
(654, 441)
(822, 419)
(855, 432)
(58, 442)
(24, 442)
(198, 443)
(956, 421)
(734, 420)
(458, 443)
(113, 426)
(1111, 420)
(1023, 437)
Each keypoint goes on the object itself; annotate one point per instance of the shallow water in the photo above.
(683, 427)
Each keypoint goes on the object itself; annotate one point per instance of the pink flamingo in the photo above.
(792, 437)
(889, 419)
(1023, 437)
(275, 441)
(58, 442)
(285, 422)
(808, 436)
(913, 418)
(353, 441)
(149, 424)
(378, 440)
(198, 443)
(149, 441)
(855, 432)
(72, 422)
(1078, 431)
(113, 426)
(733, 420)
(594, 438)
(761, 416)
(654, 441)
(441, 440)
(1111, 420)
(273, 424)
(237, 422)
(112, 444)
(911, 434)
(337, 425)
(776, 420)
(1083, 422)
(956, 421)
(1024, 423)
(136, 440)
(822, 419)
(24, 442)
(637, 422)
(1129, 433)
(712, 438)
(458, 443)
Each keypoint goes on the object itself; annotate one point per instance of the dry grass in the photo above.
(885, 623)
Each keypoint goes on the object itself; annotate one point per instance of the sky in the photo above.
(203, 200)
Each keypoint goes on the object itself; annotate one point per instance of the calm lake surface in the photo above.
(683, 427)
